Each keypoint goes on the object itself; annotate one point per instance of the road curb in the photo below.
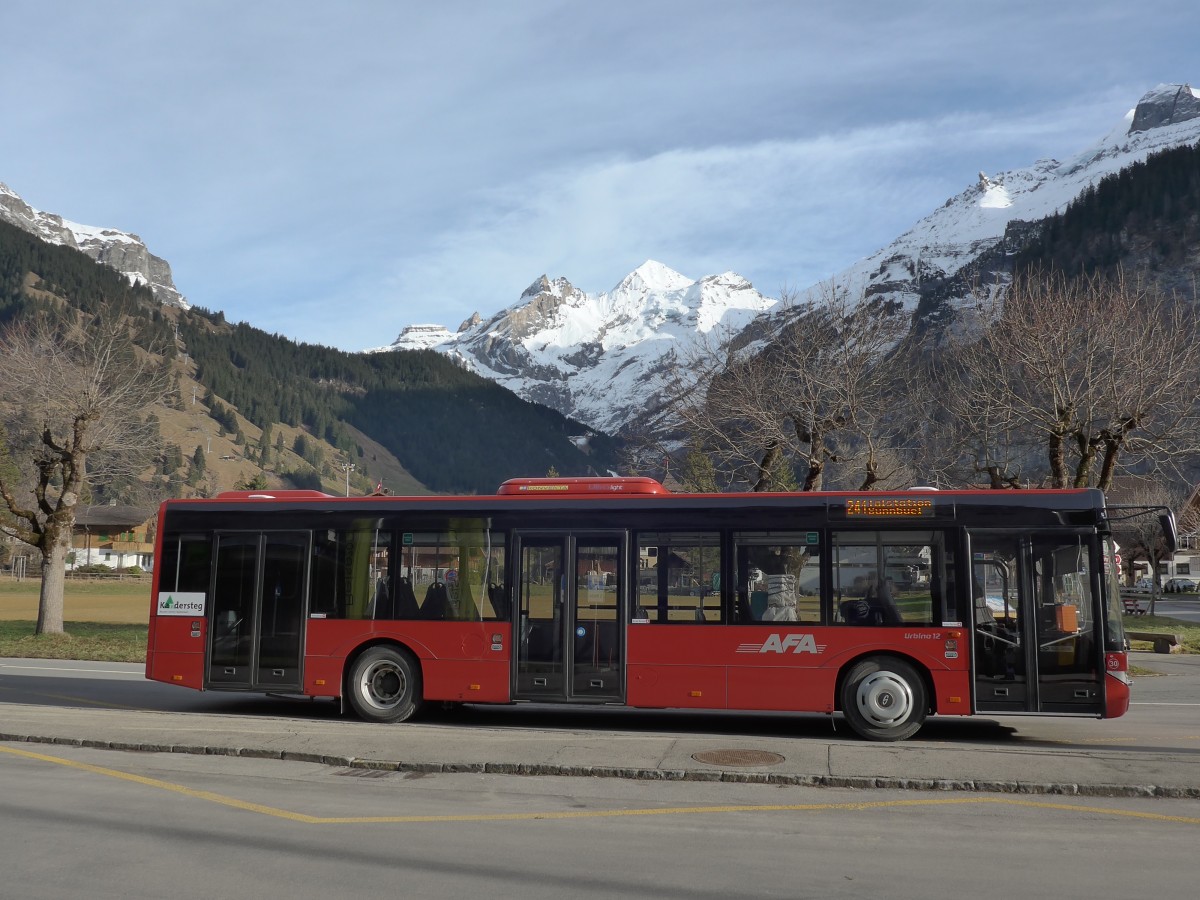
(1031, 788)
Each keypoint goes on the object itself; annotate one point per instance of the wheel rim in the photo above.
(885, 699)
(382, 685)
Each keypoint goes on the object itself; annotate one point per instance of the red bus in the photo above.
(885, 607)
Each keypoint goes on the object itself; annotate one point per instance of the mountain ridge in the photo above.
(120, 250)
(599, 355)
(608, 379)
(598, 358)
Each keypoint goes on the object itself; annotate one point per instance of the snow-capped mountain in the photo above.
(975, 221)
(596, 357)
(119, 250)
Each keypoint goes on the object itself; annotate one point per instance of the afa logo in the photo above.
(784, 643)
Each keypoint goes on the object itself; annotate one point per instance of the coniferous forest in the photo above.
(1145, 218)
(452, 430)
(456, 432)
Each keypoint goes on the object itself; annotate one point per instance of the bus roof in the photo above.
(527, 494)
(581, 487)
(273, 495)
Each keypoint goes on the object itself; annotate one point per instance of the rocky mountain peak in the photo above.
(419, 337)
(119, 250)
(652, 276)
(540, 286)
(597, 357)
(1167, 104)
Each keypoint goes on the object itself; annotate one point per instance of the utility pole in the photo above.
(347, 468)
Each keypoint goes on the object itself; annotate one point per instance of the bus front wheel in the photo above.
(385, 685)
(884, 699)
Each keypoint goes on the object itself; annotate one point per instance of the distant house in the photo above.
(1186, 561)
(113, 535)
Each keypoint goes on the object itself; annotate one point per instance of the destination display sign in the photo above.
(889, 508)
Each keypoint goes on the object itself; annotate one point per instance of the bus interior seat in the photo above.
(499, 599)
(859, 611)
(385, 605)
(436, 602)
(406, 601)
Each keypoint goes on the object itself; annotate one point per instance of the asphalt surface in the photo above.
(1154, 750)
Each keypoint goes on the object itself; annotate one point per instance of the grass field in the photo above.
(104, 621)
(123, 602)
(1188, 632)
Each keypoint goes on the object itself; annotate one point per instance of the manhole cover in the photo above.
(738, 757)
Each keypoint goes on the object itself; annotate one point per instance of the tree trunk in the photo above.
(54, 569)
(1057, 458)
(766, 468)
(814, 478)
(1108, 467)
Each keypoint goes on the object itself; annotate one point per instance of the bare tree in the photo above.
(71, 398)
(1135, 503)
(1094, 374)
(815, 392)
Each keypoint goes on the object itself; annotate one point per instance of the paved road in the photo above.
(80, 822)
(1153, 750)
(1187, 610)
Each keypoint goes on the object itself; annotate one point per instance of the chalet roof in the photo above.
(114, 517)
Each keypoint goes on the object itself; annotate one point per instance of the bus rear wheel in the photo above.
(884, 699)
(384, 685)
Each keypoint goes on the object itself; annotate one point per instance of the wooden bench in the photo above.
(1163, 642)
(1132, 607)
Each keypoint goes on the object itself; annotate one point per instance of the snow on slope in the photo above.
(975, 220)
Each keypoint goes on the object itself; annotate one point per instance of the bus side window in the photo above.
(678, 578)
(778, 577)
(324, 594)
(900, 577)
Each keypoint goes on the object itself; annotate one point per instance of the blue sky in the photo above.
(335, 171)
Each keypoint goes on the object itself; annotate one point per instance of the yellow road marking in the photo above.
(72, 699)
(306, 819)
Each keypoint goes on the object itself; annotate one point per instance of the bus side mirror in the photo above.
(1167, 521)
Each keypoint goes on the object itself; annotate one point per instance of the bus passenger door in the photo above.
(1068, 627)
(260, 589)
(570, 594)
(1035, 624)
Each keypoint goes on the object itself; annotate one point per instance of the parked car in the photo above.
(1143, 586)
(1179, 586)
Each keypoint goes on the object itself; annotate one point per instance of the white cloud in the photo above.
(777, 212)
(333, 171)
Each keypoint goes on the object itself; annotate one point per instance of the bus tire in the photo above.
(884, 699)
(384, 685)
